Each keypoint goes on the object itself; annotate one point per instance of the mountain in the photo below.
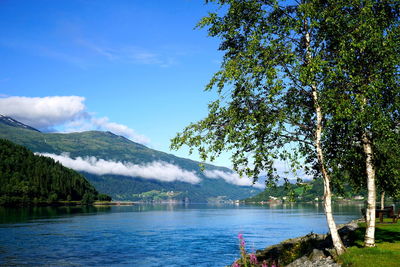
(26, 178)
(11, 122)
(138, 172)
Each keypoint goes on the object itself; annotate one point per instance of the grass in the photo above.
(386, 252)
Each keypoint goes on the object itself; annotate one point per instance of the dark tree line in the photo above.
(26, 178)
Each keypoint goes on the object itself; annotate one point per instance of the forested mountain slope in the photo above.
(133, 164)
(27, 178)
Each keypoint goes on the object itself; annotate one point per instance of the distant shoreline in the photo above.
(114, 203)
(70, 203)
(275, 202)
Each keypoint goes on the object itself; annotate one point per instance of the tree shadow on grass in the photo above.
(387, 233)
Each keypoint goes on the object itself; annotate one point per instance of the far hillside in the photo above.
(303, 192)
(129, 171)
(26, 178)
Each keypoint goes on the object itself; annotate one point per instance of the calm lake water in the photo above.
(152, 235)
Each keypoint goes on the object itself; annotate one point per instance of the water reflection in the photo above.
(153, 234)
(24, 214)
(18, 215)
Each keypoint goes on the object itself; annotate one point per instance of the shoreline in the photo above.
(310, 250)
(279, 202)
(114, 203)
(71, 204)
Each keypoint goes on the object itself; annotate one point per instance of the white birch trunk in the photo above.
(383, 200)
(336, 240)
(369, 238)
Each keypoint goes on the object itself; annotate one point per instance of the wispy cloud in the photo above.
(69, 57)
(83, 53)
(129, 53)
(109, 53)
(232, 178)
(66, 112)
(157, 170)
(68, 54)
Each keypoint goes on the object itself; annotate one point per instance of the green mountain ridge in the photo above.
(111, 147)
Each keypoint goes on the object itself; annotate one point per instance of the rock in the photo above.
(310, 250)
(316, 254)
(291, 249)
(331, 252)
(306, 262)
(325, 263)
(301, 262)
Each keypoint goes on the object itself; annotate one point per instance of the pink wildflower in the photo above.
(264, 264)
(240, 236)
(253, 259)
(236, 264)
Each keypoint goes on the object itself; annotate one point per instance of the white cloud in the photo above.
(66, 112)
(232, 178)
(120, 129)
(157, 170)
(43, 112)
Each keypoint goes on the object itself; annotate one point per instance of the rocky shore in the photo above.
(312, 250)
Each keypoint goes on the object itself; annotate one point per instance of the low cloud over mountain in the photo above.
(231, 178)
(157, 170)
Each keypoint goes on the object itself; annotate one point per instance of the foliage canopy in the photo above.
(26, 178)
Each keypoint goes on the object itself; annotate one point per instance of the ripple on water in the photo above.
(198, 235)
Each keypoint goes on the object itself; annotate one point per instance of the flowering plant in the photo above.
(248, 260)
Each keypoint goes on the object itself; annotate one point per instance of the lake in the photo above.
(152, 235)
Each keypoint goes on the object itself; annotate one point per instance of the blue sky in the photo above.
(135, 67)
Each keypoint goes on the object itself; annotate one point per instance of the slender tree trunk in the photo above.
(369, 238)
(383, 200)
(336, 240)
(370, 215)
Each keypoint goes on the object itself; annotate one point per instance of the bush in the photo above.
(103, 197)
(88, 198)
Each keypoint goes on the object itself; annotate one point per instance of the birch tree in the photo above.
(362, 90)
(269, 87)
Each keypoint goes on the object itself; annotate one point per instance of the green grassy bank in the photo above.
(385, 254)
